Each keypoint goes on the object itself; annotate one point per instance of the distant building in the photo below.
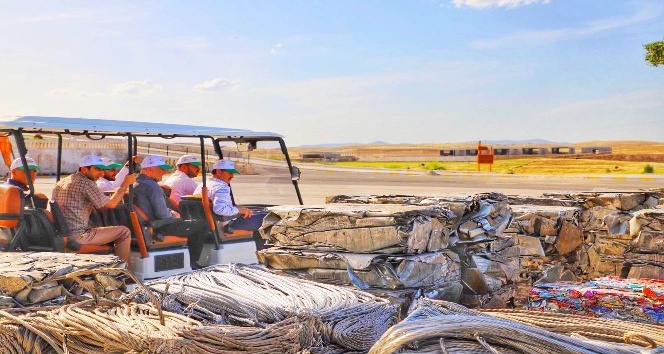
(597, 150)
(563, 150)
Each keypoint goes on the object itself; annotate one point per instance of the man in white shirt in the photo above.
(182, 181)
(219, 192)
(112, 179)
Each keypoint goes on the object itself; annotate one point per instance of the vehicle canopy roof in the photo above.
(54, 125)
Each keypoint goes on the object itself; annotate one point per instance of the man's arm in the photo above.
(119, 178)
(158, 201)
(222, 204)
(120, 192)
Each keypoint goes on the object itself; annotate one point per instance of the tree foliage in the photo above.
(655, 53)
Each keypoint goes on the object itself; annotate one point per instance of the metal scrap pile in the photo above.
(41, 278)
(443, 327)
(639, 300)
(470, 224)
(546, 242)
(645, 257)
(606, 223)
(251, 296)
(391, 249)
(89, 327)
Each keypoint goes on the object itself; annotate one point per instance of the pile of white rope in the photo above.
(252, 296)
(443, 327)
(89, 327)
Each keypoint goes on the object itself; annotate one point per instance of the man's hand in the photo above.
(175, 213)
(245, 212)
(129, 179)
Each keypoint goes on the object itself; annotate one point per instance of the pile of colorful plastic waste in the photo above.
(640, 300)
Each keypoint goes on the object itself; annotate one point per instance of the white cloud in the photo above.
(145, 87)
(483, 4)
(276, 48)
(216, 85)
(647, 13)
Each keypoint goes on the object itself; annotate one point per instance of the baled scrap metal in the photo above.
(253, 296)
(28, 276)
(486, 217)
(136, 328)
(479, 217)
(358, 228)
(624, 201)
(558, 201)
(424, 270)
(639, 300)
(443, 327)
(557, 226)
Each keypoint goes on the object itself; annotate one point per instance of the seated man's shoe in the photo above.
(227, 229)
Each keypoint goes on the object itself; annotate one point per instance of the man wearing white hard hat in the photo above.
(19, 178)
(219, 191)
(182, 181)
(112, 175)
(151, 199)
(77, 195)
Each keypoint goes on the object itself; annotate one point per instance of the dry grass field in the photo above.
(628, 157)
(547, 166)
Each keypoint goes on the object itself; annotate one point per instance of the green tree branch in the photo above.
(655, 53)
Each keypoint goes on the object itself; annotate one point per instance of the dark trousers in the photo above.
(252, 223)
(194, 230)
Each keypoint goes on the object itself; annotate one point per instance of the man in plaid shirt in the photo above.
(77, 195)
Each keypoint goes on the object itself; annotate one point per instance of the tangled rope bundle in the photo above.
(442, 327)
(89, 327)
(252, 296)
(616, 331)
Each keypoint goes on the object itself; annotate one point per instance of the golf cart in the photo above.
(152, 256)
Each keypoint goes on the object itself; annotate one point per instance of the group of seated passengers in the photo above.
(80, 193)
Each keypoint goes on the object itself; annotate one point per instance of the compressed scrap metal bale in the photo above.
(253, 296)
(486, 217)
(375, 199)
(90, 327)
(557, 226)
(28, 277)
(426, 270)
(645, 249)
(480, 217)
(542, 201)
(357, 228)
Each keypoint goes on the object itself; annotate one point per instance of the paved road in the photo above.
(316, 184)
(273, 185)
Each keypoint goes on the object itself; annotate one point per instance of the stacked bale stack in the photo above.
(40, 278)
(547, 241)
(605, 221)
(645, 257)
(487, 277)
(393, 249)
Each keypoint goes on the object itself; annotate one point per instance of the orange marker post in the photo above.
(484, 156)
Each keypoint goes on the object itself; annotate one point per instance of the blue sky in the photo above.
(410, 71)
